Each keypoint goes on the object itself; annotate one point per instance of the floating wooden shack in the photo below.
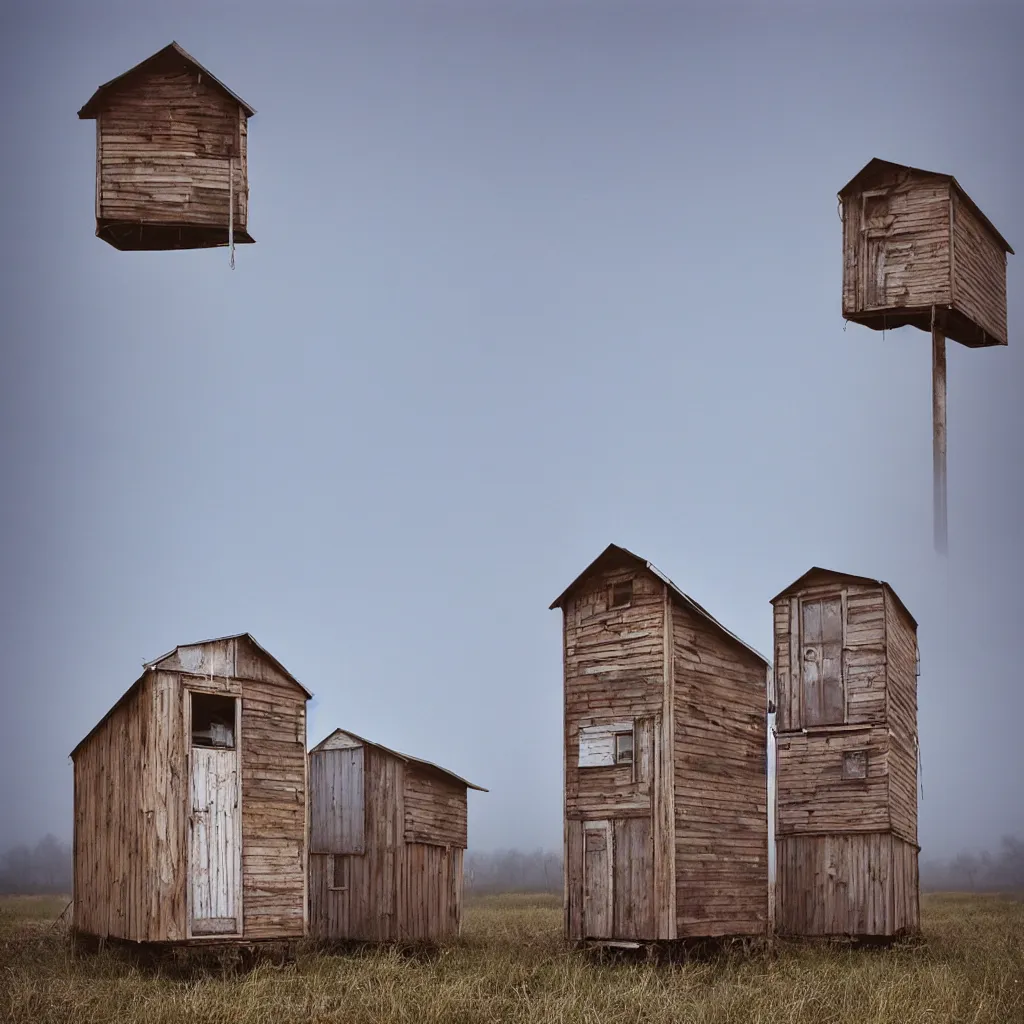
(190, 802)
(666, 817)
(914, 241)
(171, 156)
(846, 662)
(387, 836)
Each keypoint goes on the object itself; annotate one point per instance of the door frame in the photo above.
(606, 826)
(240, 915)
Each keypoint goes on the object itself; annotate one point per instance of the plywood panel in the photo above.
(337, 810)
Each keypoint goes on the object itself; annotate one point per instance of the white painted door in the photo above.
(215, 861)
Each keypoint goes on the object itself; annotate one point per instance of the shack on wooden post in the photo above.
(171, 157)
(386, 842)
(917, 251)
(190, 802)
(846, 665)
(666, 785)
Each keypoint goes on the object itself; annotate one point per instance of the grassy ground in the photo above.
(511, 966)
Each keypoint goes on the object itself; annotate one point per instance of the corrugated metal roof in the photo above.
(613, 551)
(877, 164)
(868, 580)
(172, 50)
(407, 758)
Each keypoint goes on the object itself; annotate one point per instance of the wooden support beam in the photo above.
(939, 435)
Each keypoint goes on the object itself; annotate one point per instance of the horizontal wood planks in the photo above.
(131, 863)
(901, 645)
(979, 272)
(399, 889)
(435, 808)
(721, 783)
(167, 144)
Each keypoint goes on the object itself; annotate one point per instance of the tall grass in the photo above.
(511, 965)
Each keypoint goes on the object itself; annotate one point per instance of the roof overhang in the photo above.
(849, 577)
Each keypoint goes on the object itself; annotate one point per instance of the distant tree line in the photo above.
(43, 868)
(984, 872)
(513, 871)
(46, 868)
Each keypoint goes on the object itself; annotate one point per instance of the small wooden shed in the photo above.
(846, 664)
(914, 241)
(387, 835)
(190, 802)
(666, 784)
(171, 156)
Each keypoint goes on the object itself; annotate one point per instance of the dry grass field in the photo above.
(511, 966)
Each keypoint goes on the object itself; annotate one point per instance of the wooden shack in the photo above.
(171, 156)
(914, 242)
(665, 762)
(190, 802)
(386, 842)
(846, 662)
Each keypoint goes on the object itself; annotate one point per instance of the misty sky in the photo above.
(529, 278)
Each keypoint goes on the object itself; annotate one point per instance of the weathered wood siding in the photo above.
(397, 889)
(615, 674)
(435, 809)
(336, 791)
(113, 861)
(165, 146)
(853, 884)
(901, 645)
(896, 245)
(721, 782)
(812, 794)
(863, 657)
(979, 271)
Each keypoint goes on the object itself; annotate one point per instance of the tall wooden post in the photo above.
(939, 434)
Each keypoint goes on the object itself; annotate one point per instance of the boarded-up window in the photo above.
(821, 638)
(336, 801)
(620, 594)
(855, 764)
(598, 747)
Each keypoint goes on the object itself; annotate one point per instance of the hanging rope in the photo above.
(231, 210)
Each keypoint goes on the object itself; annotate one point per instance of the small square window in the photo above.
(340, 866)
(623, 748)
(621, 594)
(855, 764)
(213, 720)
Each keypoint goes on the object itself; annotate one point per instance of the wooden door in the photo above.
(598, 855)
(215, 847)
(821, 641)
(876, 223)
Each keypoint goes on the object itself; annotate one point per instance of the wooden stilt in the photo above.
(939, 434)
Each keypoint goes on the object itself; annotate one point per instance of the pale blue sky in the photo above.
(529, 278)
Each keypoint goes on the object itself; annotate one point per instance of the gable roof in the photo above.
(151, 666)
(170, 56)
(817, 571)
(407, 758)
(613, 555)
(877, 166)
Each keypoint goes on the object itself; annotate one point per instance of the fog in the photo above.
(529, 278)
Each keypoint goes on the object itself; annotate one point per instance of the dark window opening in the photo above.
(213, 720)
(855, 764)
(340, 871)
(621, 594)
(623, 748)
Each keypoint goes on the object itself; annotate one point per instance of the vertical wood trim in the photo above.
(842, 655)
(99, 168)
(939, 433)
(239, 797)
(187, 853)
(665, 831)
(796, 682)
(952, 245)
(886, 600)
(306, 824)
(566, 851)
